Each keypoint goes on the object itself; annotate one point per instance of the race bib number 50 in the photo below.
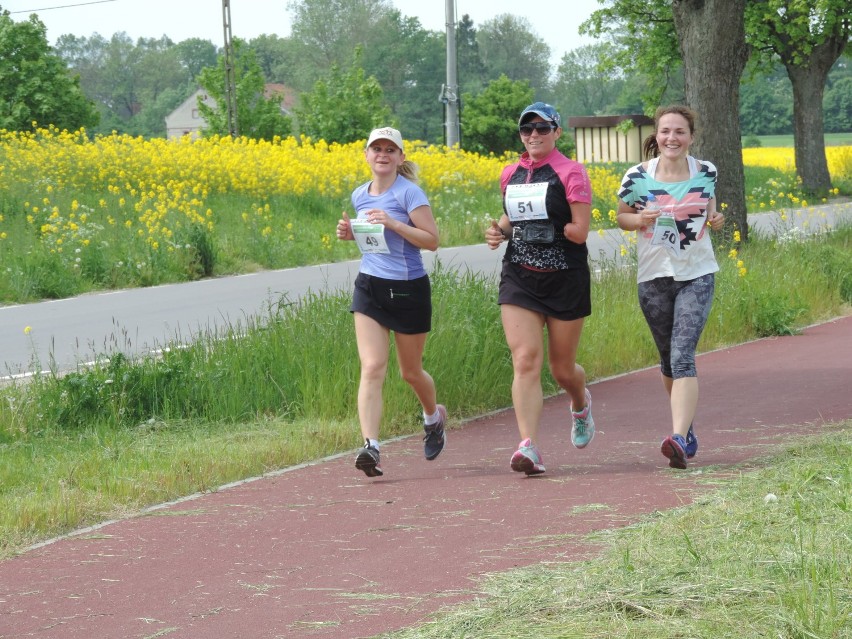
(666, 234)
(526, 201)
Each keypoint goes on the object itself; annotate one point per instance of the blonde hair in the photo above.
(650, 148)
(409, 170)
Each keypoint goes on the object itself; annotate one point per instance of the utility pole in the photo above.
(450, 91)
(230, 81)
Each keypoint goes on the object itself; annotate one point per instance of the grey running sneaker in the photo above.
(368, 461)
(583, 426)
(527, 459)
(435, 437)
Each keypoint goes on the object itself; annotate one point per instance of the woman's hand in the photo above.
(344, 228)
(494, 235)
(716, 220)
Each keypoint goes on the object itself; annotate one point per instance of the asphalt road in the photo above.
(63, 334)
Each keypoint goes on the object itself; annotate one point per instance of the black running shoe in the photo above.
(368, 461)
(435, 438)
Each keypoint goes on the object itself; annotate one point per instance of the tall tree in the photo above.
(584, 85)
(808, 37)
(472, 72)
(259, 114)
(35, 86)
(510, 47)
(689, 31)
(490, 118)
(344, 107)
(409, 64)
(712, 87)
(328, 31)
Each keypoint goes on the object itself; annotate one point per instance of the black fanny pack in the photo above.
(535, 233)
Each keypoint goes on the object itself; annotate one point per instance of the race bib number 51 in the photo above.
(526, 201)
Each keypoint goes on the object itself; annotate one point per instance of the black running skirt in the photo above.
(403, 306)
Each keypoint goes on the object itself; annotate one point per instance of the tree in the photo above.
(258, 115)
(838, 98)
(490, 119)
(808, 37)
(352, 23)
(509, 47)
(35, 86)
(344, 107)
(766, 103)
(712, 87)
(472, 72)
(711, 82)
(583, 85)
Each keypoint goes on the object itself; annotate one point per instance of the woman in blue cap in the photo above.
(545, 279)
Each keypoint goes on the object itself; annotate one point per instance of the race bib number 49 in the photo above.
(370, 238)
(526, 201)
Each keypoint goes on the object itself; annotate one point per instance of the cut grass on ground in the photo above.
(767, 554)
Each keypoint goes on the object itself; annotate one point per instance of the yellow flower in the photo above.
(736, 236)
(732, 253)
(28, 330)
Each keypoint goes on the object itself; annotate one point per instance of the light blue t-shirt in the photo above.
(404, 262)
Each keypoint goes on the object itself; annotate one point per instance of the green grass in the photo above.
(80, 448)
(764, 554)
(782, 141)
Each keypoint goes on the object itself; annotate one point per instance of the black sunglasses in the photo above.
(543, 128)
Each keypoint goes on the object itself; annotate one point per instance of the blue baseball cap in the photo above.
(542, 109)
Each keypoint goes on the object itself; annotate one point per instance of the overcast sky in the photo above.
(555, 22)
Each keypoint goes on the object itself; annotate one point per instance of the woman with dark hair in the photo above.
(545, 279)
(670, 200)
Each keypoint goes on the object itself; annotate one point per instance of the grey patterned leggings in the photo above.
(676, 313)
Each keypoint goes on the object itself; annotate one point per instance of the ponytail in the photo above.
(409, 170)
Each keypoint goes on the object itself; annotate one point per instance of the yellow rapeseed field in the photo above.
(72, 190)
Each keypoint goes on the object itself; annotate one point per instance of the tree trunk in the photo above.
(711, 34)
(808, 121)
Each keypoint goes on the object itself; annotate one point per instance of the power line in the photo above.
(64, 6)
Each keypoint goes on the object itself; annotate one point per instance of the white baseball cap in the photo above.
(386, 133)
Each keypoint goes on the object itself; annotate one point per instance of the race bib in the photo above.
(370, 238)
(666, 234)
(526, 201)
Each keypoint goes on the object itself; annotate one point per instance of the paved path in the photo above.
(322, 551)
(66, 332)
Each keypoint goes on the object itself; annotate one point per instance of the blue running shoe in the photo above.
(691, 443)
(674, 447)
(527, 459)
(583, 426)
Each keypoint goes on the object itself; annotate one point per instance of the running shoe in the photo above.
(435, 438)
(583, 427)
(691, 443)
(527, 459)
(368, 461)
(674, 447)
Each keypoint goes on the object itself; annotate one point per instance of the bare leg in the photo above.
(523, 330)
(373, 350)
(409, 352)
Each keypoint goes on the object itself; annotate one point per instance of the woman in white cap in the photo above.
(392, 290)
(545, 279)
